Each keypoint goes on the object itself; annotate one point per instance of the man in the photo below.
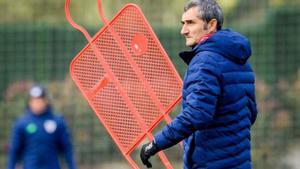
(39, 136)
(218, 104)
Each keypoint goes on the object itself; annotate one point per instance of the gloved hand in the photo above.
(147, 151)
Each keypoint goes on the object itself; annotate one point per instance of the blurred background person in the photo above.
(39, 136)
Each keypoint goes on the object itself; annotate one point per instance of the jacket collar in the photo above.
(187, 56)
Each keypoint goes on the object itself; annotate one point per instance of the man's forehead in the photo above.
(190, 14)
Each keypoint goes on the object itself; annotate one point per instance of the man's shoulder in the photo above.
(22, 121)
(59, 119)
(206, 60)
(209, 57)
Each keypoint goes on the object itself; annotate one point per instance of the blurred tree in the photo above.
(162, 13)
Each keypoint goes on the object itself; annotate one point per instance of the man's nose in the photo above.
(184, 30)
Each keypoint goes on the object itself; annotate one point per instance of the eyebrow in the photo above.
(188, 20)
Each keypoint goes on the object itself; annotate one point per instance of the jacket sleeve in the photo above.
(66, 145)
(15, 146)
(201, 89)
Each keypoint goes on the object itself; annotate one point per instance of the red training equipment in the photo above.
(127, 78)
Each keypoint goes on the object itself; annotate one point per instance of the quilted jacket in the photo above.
(218, 105)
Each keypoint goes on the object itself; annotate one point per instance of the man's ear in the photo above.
(212, 26)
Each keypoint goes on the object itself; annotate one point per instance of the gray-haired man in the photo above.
(218, 105)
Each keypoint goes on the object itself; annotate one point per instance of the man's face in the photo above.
(193, 28)
(38, 105)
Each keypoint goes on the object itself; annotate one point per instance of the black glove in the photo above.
(147, 151)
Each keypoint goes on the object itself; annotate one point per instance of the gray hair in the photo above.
(208, 10)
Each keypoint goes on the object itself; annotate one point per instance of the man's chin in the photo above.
(190, 44)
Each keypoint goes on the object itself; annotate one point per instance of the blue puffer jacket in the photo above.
(37, 141)
(218, 106)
